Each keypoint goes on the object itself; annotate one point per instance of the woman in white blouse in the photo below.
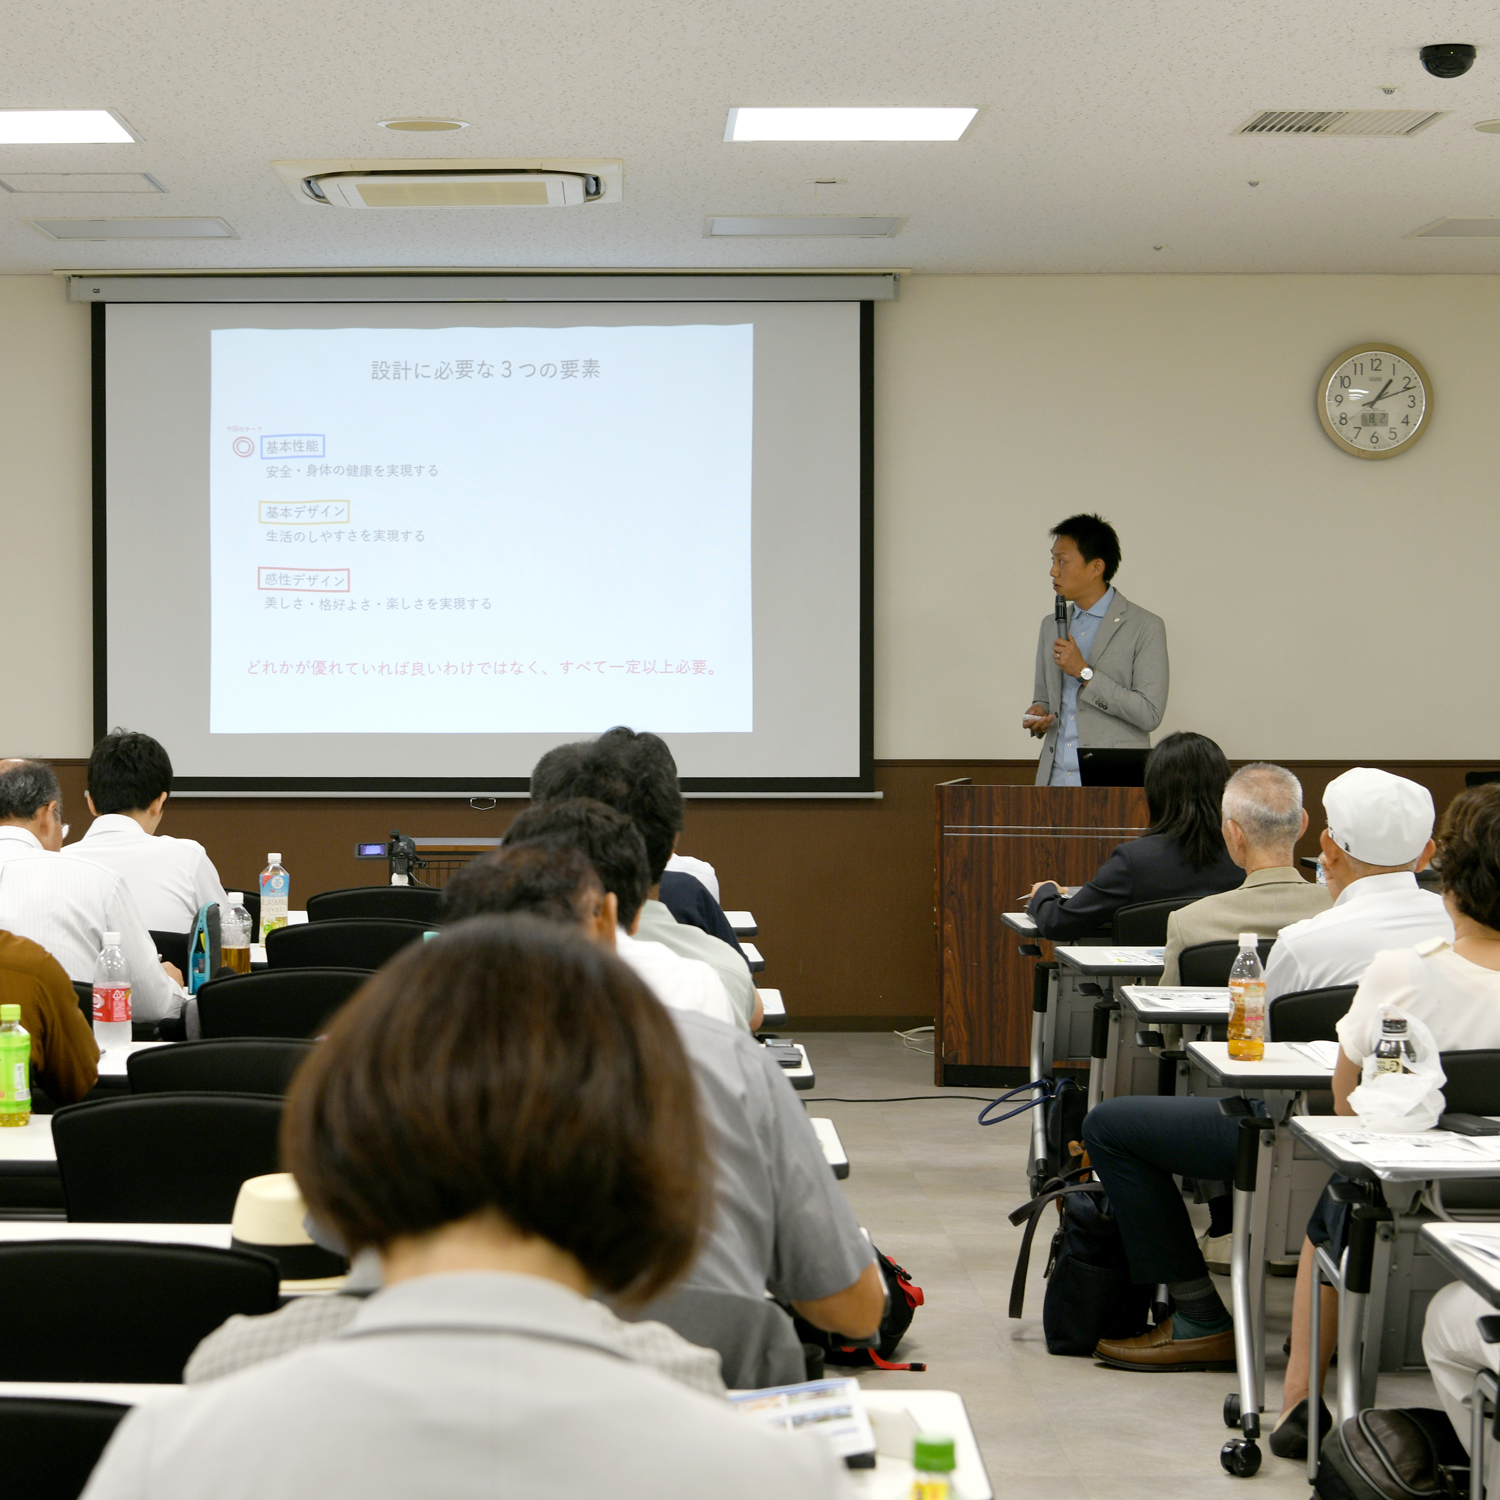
(506, 1116)
(1454, 988)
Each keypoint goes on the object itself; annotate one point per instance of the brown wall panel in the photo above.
(843, 890)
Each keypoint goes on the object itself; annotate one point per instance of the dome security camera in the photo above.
(1448, 59)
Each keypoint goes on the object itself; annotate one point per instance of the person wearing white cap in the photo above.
(1379, 834)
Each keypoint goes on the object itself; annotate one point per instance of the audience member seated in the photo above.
(613, 845)
(780, 1222)
(1263, 819)
(64, 1055)
(637, 776)
(700, 869)
(1182, 854)
(169, 879)
(1455, 1354)
(1379, 835)
(506, 1116)
(67, 905)
(1454, 988)
(1137, 1143)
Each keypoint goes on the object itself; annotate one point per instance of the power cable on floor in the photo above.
(900, 1099)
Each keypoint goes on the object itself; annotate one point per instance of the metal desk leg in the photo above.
(1241, 1456)
(1041, 982)
(1314, 1361)
(1104, 1010)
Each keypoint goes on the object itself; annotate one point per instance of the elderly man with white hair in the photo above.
(1379, 830)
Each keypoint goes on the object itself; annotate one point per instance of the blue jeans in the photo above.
(1136, 1144)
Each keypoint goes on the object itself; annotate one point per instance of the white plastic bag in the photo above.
(1403, 1103)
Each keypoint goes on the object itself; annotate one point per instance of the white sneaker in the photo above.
(1215, 1252)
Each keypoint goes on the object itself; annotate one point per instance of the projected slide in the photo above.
(481, 530)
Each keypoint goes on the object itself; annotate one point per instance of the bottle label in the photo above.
(930, 1489)
(111, 1002)
(1388, 1065)
(15, 1074)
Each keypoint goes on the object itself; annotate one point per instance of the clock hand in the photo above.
(1381, 396)
(1404, 389)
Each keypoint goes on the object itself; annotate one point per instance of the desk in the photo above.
(833, 1147)
(802, 1076)
(896, 1417)
(1477, 1271)
(773, 1007)
(752, 957)
(1133, 1069)
(1422, 1157)
(1112, 963)
(743, 923)
(1283, 1069)
(27, 1150)
(1019, 922)
(22, 1231)
(1069, 1030)
(113, 1060)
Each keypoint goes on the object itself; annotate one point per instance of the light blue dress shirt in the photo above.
(1083, 627)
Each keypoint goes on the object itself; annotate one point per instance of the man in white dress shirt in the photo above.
(1379, 834)
(67, 905)
(617, 851)
(129, 781)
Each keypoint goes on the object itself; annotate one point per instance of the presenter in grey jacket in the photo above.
(1103, 683)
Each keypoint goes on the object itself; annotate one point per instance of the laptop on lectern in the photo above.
(1112, 767)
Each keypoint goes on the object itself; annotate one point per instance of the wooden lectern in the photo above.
(993, 842)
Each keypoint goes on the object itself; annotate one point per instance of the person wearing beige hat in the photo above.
(1379, 835)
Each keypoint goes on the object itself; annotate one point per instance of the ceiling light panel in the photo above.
(80, 182)
(135, 229)
(63, 127)
(895, 123)
(843, 225)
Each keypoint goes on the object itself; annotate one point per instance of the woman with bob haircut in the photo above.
(1182, 855)
(506, 1116)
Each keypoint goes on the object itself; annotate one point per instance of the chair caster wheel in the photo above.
(1232, 1410)
(1240, 1457)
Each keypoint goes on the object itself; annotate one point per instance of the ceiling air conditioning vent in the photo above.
(425, 188)
(1369, 122)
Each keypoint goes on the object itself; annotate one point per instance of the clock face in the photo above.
(1374, 401)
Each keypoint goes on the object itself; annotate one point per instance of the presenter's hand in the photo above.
(1037, 721)
(1066, 654)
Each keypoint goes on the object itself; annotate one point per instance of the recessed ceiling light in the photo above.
(1489, 127)
(424, 124)
(63, 127)
(895, 123)
(135, 229)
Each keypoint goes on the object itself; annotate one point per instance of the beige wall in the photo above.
(45, 532)
(1317, 605)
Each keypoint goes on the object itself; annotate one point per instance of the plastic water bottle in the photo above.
(275, 893)
(1247, 993)
(1394, 1052)
(15, 1067)
(932, 1459)
(234, 933)
(111, 995)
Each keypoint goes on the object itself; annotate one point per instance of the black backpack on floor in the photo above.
(1090, 1295)
(1393, 1454)
(905, 1297)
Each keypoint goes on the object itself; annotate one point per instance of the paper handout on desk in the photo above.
(834, 1408)
(1434, 1150)
(1325, 1054)
(1147, 998)
(1146, 958)
(1477, 1242)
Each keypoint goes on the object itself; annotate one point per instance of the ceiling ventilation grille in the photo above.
(1385, 122)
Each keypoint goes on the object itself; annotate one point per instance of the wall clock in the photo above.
(1374, 400)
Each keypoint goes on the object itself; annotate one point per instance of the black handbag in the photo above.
(1411, 1454)
(904, 1298)
(1090, 1295)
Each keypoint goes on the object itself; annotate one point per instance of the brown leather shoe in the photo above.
(1156, 1349)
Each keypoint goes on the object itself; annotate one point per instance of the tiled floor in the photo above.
(934, 1190)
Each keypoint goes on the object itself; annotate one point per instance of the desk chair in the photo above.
(245, 1065)
(163, 1158)
(275, 1002)
(50, 1446)
(410, 903)
(110, 1310)
(172, 948)
(1206, 966)
(1384, 1281)
(1144, 925)
(757, 1344)
(1308, 1015)
(346, 942)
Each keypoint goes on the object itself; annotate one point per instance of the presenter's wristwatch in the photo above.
(1086, 675)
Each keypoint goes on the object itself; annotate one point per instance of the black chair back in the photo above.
(163, 1158)
(112, 1310)
(757, 1342)
(408, 903)
(245, 1065)
(345, 943)
(84, 989)
(172, 948)
(1144, 925)
(1308, 1015)
(275, 1002)
(1473, 1086)
(51, 1447)
(1206, 966)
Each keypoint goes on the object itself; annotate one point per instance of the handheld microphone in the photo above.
(1060, 614)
